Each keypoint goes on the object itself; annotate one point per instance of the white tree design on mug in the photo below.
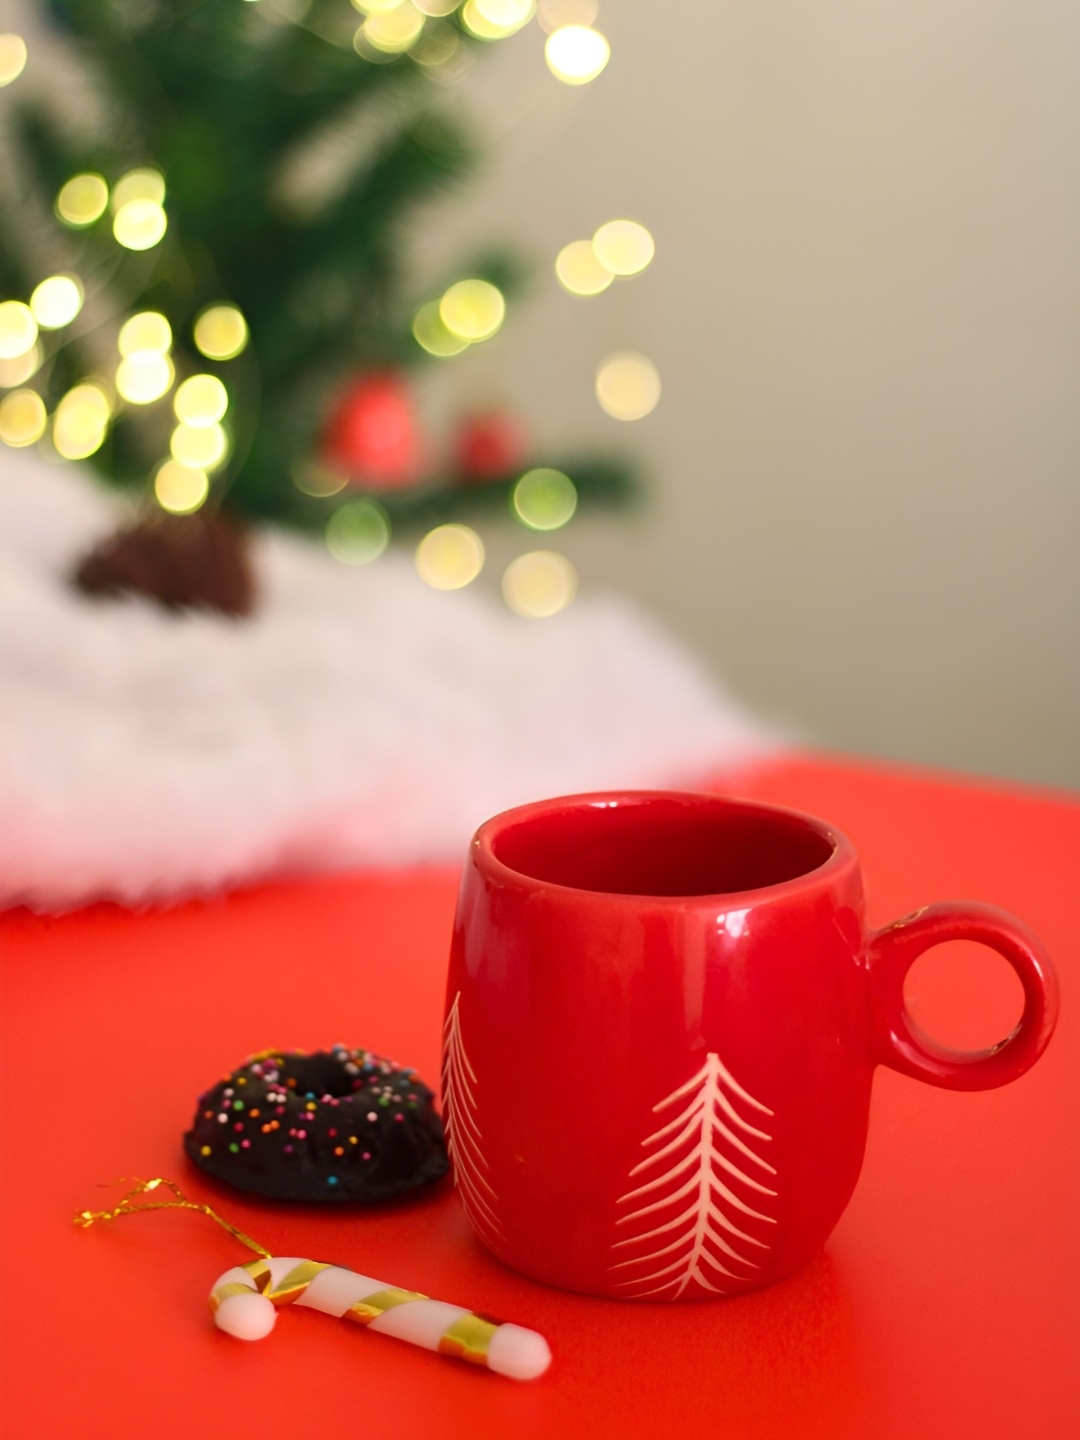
(704, 1150)
(463, 1136)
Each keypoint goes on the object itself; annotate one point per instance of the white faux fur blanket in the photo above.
(360, 719)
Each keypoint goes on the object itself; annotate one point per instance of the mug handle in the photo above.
(902, 1045)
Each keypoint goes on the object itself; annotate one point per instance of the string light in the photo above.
(539, 584)
(18, 329)
(22, 418)
(579, 271)
(576, 54)
(56, 301)
(628, 386)
(624, 247)
(148, 330)
(392, 31)
(472, 309)
(201, 400)
(145, 184)
(140, 224)
(81, 421)
(17, 371)
(450, 557)
(221, 332)
(544, 499)
(12, 58)
(201, 446)
(556, 13)
(144, 376)
(145, 372)
(82, 200)
(432, 335)
(181, 489)
(358, 532)
(496, 19)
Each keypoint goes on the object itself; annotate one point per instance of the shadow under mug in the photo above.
(663, 1015)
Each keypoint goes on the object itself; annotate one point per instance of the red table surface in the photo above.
(945, 1305)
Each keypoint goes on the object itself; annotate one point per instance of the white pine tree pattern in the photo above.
(463, 1137)
(707, 1159)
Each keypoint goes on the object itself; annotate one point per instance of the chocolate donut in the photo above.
(331, 1125)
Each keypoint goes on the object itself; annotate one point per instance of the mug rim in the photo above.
(842, 854)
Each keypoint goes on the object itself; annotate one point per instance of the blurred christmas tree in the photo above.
(209, 295)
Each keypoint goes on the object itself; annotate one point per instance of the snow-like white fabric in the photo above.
(360, 719)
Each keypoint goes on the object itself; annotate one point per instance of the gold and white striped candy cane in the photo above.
(246, 1299)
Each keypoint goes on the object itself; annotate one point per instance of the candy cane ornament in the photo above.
(245, 1300)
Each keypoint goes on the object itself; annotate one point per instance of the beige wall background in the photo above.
(865, 307)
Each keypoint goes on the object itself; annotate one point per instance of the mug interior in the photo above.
(661, 845)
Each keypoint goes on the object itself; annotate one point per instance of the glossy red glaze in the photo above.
(663, 1015)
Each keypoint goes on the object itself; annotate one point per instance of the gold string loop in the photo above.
(85, 1218)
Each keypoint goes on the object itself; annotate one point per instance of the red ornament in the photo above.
(489, 446)
(371, 435)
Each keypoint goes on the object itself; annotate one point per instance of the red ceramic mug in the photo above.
(663, 1016)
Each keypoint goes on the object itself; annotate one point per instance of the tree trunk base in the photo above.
(185, 562)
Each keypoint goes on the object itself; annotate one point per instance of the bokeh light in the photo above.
(81, 421)
(148, 330)
(144, 184)
(19, 369)
(579, 271)
(437, 8)
(181, 489)
(433, 336)
(472, 309)
(496, 19)
(624, 247)
(317, 480)
(358, 532)
(201, 400)
(449, 557)
(18, 329)
(539, 584)
(544, 499)
(628, 386)
(221, 332)
(56, 301)
(375, 7)
(144, 376)
(83, 199)
(393, 31)
(22, 418)
(576, 54)
(204, 446)
(12, 58)
(437, 45)
(556, 13)
(140, 224)
(506, 13)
